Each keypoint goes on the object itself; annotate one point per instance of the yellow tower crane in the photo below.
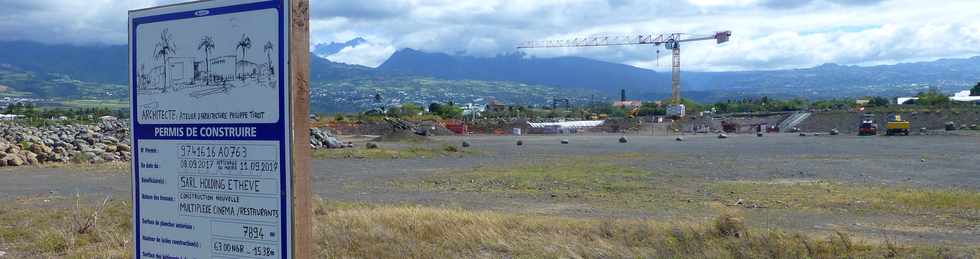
(671, 41)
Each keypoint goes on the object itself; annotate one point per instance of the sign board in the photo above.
(211, 123)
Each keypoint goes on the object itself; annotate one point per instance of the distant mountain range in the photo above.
(106, 67)
(565, 72)
(826, 81)
(103, 64)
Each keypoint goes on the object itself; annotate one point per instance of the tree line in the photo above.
(449, 110)
(39, 116)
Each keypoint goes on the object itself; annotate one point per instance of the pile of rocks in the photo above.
(321, 138)
(23, 145)
(107, 141)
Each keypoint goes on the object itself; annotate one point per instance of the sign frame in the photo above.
(290, 129)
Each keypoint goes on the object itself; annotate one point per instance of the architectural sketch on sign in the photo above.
(215, 66)
(187, 69)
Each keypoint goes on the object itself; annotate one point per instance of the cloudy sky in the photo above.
(767, 34)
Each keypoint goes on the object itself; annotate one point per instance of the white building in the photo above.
(964, 96)
(562, 127)
(471, 109)
(905, 100)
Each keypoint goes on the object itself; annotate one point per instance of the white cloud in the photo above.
(863, 34)
(68, 21)
(369, 54)
(717, 3)
(768, 34)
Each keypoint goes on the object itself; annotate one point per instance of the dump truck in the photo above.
(897, 126)
(868, 127)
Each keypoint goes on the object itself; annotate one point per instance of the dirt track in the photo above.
(920, 161)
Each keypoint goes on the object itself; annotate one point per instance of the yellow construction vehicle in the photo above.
(897, 126)
(633, 112)
(596, 116)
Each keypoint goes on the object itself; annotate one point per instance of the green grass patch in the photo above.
(613, 184)
(411, 152)
(598, 181)
(74, 167)
(554, 176)
(827, 195)
(109, 103)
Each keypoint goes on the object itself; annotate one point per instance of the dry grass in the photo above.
(365, 231)
(96, 230)
(344, 230)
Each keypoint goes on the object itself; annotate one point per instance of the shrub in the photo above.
(730, 225)
(450, 149)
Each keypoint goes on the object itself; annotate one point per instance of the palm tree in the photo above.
(165, 48)
(207, 44)
(244, 44)
(268, 55)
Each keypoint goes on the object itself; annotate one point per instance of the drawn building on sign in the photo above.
(211, 73)
(180, 71)
(223, 68)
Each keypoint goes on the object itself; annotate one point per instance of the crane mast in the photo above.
(671, 41)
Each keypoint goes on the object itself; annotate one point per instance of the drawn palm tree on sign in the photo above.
(165, 48)
(244, 44)
(268, 55)
(207, 44)
(143, 80)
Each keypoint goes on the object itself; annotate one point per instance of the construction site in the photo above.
(674, 118)
(618, 179)
(891, 174)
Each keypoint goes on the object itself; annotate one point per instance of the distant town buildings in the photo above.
(472, 110)
(495, 106)
(628, 104)
(9, 117)
(7, 101)
(961, 96)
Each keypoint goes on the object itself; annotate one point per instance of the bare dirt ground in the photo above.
(693, 166)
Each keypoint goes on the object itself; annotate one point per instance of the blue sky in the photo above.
(768, 34)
